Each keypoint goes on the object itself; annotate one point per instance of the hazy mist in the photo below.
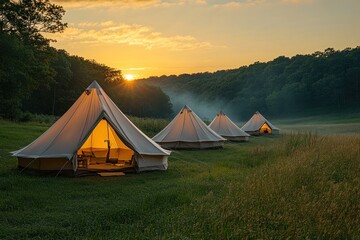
(206, 110)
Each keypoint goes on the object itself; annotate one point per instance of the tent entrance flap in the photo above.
(265, 128)
(103, 149)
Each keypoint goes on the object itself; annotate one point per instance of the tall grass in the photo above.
(150, 126)
(302, 186)
(35, 118)
(312, 190)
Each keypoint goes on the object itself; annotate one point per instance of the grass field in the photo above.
(295, 185)
(343, 124)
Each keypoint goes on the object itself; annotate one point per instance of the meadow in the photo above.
(289, 186)
(330, 124)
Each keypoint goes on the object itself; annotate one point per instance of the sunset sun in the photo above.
(129, 77)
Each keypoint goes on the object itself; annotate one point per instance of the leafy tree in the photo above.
(37, 78)
(28, 19)
(16, 81)
(74, 74)
(26, 55)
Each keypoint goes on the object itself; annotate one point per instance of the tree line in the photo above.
(37, 78)
(318, 83)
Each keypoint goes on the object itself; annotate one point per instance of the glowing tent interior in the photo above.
(104, 146)
(93, 135)
(258, 125)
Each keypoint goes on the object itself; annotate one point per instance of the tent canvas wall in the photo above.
(258, 125)
(92, 126)
(226, 128)
(188, 131)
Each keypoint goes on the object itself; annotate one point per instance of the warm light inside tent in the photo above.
(265, 128)
(104, 146)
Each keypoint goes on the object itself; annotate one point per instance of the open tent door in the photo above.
(103, 149)
(113, 141)
(265, 128)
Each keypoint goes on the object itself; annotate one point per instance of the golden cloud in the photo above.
(167, 3)
(232, 4)
(137, 35)
(250, 3)
(124, 3)
(298, 1)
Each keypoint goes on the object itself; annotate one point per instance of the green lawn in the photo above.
(298, 186)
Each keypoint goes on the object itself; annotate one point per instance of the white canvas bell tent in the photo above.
(93, 131)
(258, 125)
(226, 128)
(188, 131)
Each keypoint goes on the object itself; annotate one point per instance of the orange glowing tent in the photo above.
(93, 135)
(258, 125)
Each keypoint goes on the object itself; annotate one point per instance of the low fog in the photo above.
(206, 110)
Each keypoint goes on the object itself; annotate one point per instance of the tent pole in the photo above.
(108, 143)
(91, 140)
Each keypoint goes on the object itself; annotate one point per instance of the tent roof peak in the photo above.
(185, 108)
(94, 84)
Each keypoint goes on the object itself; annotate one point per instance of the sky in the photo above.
(163, 37)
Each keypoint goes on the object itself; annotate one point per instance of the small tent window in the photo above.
(265, 128)
(104, 149)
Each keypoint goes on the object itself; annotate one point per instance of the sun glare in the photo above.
(129, 77)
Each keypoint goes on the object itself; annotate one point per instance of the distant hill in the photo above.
(322, 82)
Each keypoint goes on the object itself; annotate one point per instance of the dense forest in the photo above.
(318, 83)
(36, 78)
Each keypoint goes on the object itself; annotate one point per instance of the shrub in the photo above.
(150, 126)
